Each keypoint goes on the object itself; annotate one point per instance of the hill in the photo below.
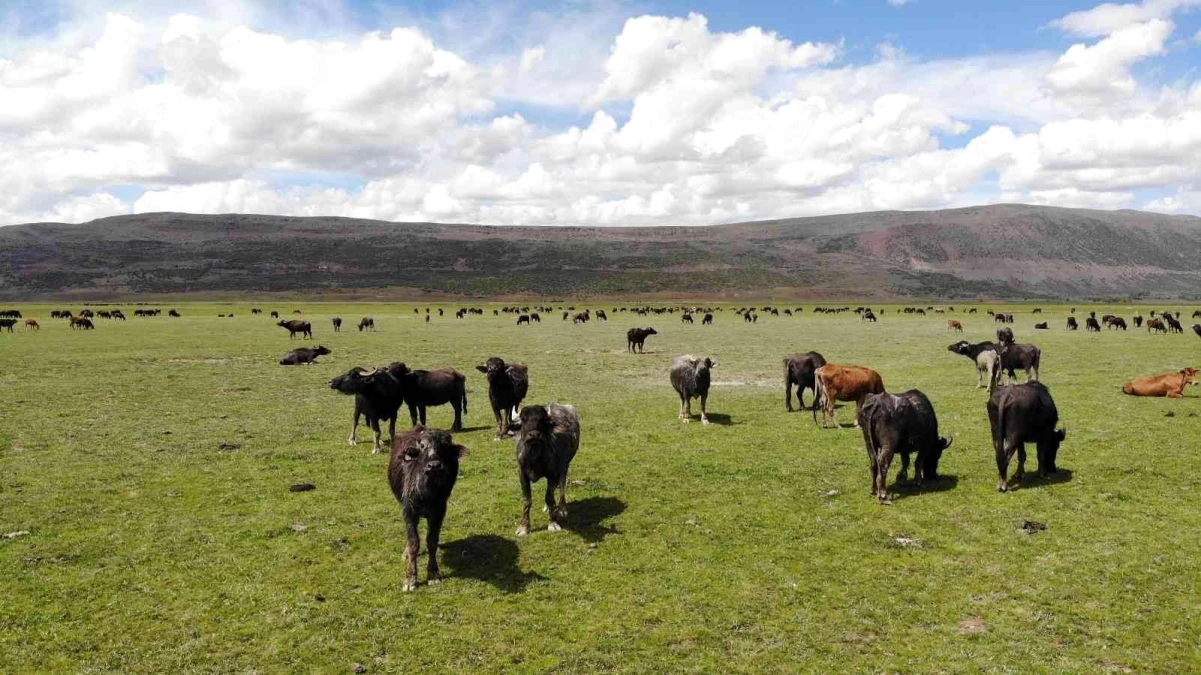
(1004, 251)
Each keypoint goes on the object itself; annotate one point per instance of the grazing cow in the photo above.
(690, 379)
(601, 316)
(117, 314)
(337, 324)
(708, 320)
(547, 441)
(1021, 414)
(377, 396)
(1091, 325)
(76, 322)
(565, 315)
(1117, 322)
(9, 323)
(304, 355)
(426, 388)
(1197, 313)
(1173, 324)
(903, 424)
(954, 325)
(687, 318)
(984, 355)
(1037, 310)
(367, 323)
(524, 318)
(1072, 325)
(1197, 329)
(1138, 320)
(507, 386)
(256, 311)
(843, 383)
(1016, 357)
(868, 316)
(636, 338)
(274, 315)
(799, 370)
(1005, 335)
(422, 472)
(1040, 326)
(297, 326)
(537, 318)
(297, 311)
(1156, 325)
(32, 324)
(1168, 384)
(173, 313)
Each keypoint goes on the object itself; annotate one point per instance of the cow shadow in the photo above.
(586, 517)
(721, 419)
(910, 488)
(467, 430)
(1033, 480)
(489, 558)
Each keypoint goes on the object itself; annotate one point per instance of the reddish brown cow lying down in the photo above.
(1169, 384)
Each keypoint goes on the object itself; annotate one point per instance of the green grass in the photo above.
(150, 463)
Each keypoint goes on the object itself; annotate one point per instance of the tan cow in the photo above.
(32, 324)
(1169, 384)
(954, 325)
(843, 383)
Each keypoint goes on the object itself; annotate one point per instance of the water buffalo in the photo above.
(799, 370)
(377, 396)
(984, 355)
(690, 379)
(337, 321)
(303, 355)
(1197, 329)
(1072, 325)
(78, 322)
(1005, 335)
(1021, 414)
(708, 320)
(173, 313)
(901, 424)
(422, 472)
(9, 323)
(636, 338)
(1016, 357)
(367, 323)
(524, 318)
(547, 441)
(507, 386)
(954, 325)
(426, 388)
(297, 326)
(1091, 325)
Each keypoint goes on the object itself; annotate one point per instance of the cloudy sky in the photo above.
(604, 113)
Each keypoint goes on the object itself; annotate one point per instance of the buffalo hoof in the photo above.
(351, 441)
(1002, 488)
(704, 420)
(553, 527)
(686, 420)
(409, 585)
(376, 450)
(545, 508)
(885, 501)
(434, 579)
(523, 531)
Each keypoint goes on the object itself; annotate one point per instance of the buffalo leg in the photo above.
(412, 548)
(413, 413)
(421, 414)
(788, 395)
(458, 425)
(553, 526)
(377, 447)
(683, 406)
(354, 426)
(524, 528)
(500, 426)
(563, 495)
(392, 429)
(904, 474)
(1021, 472)
(431, 545)
(883, 461)
(704, 415)
(1005, 449)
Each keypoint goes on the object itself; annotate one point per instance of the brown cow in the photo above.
(844, 383)
(1169, 384)
(30, 323)
(954, 325)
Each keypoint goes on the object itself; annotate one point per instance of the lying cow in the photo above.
(1169, 384)
(843, 383)
(902, 425)
(1041, 326)
(690, 379)
(798, 370)
(1021, 414)
(304, 355)
(297, 326)
(422, 472)
(547, 441)
(636, 338)
(377, 396)
(507, 386)
(984, 355)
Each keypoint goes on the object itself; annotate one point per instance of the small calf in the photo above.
(507, 386)
(422, 472)
(690, 379)
(547, 441)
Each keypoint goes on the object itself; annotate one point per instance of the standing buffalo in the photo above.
(422, 472)
(1004, 335)
(426, 388)
(954, 325)
(1072, 325)
(274, 315)
(901, 424)
(507, 386)
(1016, 357)
(1197, 329)
(984, 355)
(636, 338)
(547, 441)
(173, 313)
(690, 379)
(367, 323)
(377, 396)
(1091, 325)
(337, 320)
(297, 326)
(304, 355)
(9, 323)
(1021, 414)
(708, 320)
(799, 370)
(524, 318)
(76, 322)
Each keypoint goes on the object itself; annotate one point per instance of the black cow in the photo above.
(1040, 326)
(377, 395)
(868, 316)
(524, 318)
(690, 379)
(798, 370)
(1021, 414)
(1197, 329)
(9, 323)
(297, 326)
(367, 323)
(175, 313)
(1138, 320)
(1118, 322)
(636, 338)
(687, 318)
(303, 355)
(1016, 357)
(1072, 325)
(1091, 325)
(601, 316)
(274, 315)
(537, 318)
(337, 320)
(984, 355)
(547, 441)
(1173, 324)
(425, 388)
(708, 320)
(507, 386)
(422, 472)
(901, 424)
(1005, 335)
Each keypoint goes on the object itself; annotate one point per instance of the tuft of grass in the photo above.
(150, 463)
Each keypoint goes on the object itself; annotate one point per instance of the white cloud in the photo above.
(899, 3)
(1103, 69)
(1110, 17)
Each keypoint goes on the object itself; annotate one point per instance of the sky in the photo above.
(594, 113)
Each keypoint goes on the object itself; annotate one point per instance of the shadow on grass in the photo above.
(1033, 480)
(910, 488)
(722, 420)
(586, 517)
(467, 430)
(490, 558)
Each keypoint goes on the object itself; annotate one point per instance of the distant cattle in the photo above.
(687, 318)
(708, 320)
(12, 314)
(1156, 325)
(1004, 335)
(1173, 324)
(954, 325)
(366, 323)
(422, 471)
(1021, 414)
(1091, 325)
(274, 315)
(1197, 329)
(868, 316)
(1072, 325)
(1138, 320)
(118, 315)
(1016, 357)
(690, 379)
(1168, 384)
(1040, 326)
(524, 318)
(601, 316)
(836, 382)
(984, 355)
(902, 424)
(78, 322)
(547, 440)
(255, 310)
(537, 318)
(303, 355)
(507, 387)
(297, 326)
(636, 338)
(337, 321)
(175, 314)
(1118, 322)
(31, 324)
(799, 370)
(9, 323)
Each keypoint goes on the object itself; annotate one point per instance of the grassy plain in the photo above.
(149, 461)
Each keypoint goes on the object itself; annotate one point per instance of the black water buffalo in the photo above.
(1173, 324)
(687, 318)
(1118, 322)
(337, 321)
(507, 386)
(422, 472)
(708, 320)
(524, 318)
(367, 323)
(9, 323)
(1138, 320)
(1156, 325)
(78, 322)
(690, 379)
(304, 355)
(901, 424)
(1005, 335)
(1072, 325)
(297, 326)
(1016, 357)
(798, 370)
(274, 315)
(537, 318)
(1021, 414)
(377, 396)
(547, 441)
(1091, 325)
(427, 388)
(173, 313)
(601, 316)
(984, 355)
(636, 338)
(1197, 329)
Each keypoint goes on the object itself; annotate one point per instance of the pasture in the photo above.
(149, 463)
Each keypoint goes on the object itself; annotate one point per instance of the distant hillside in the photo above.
(1004, 251)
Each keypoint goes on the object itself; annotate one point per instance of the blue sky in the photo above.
(594, 113)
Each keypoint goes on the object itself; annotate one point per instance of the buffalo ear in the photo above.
(482, 369)
(946, 442)
(711, 363)
(462, 451)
